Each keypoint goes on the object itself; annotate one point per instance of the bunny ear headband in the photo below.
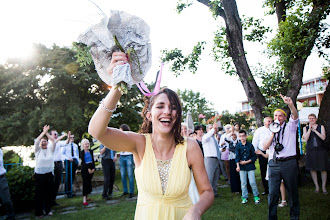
(130, 34)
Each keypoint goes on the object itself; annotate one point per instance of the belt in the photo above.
(57, 161)
(281, 159)
(126, 155)
(213, 157)
(2, 175)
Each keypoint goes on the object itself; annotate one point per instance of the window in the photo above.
(311, 102)
(312, 88)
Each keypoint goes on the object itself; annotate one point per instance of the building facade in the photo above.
(311, 93)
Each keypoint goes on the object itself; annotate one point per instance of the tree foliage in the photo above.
(11, 157)
(300, 27)
(51, 88)
(179, 61)
(196, 104)
(244, 121)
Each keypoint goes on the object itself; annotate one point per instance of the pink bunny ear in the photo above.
(144, 89)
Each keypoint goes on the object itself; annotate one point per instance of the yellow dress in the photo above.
(151, 203)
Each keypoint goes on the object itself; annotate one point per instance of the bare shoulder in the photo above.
(194, 152)
(140, 140)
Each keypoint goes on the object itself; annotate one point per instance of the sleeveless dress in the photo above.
(316, 152)
(152, 203)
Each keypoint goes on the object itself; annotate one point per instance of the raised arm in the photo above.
(206, 196)
(288, 101)
(37, 142)
(98, 125)
(322, 134)
(210, 133)
(44, 132)
(268, 141)
(61, 137)
(306, 133)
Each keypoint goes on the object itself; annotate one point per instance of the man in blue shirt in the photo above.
(108, 168)
(245, 158)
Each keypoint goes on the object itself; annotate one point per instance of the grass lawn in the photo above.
(312, 206)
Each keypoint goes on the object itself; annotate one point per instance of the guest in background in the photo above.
(235, 183)
(199, 134)
(245, 159)
(126, 167)
(184, 130)
(259, 137)
(236, 128)
(87, 169)
(109, 171)
(224, 146)
(316, 152)
(4, 191)
(44, 171)
(212, 156)
(58, 164)
(71, 160)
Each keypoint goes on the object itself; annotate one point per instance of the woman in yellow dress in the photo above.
(163, 158)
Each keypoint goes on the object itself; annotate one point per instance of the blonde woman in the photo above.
(87, 169)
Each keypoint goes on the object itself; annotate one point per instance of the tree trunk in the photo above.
(296, 78)
(236, 50)
(324, 114)
(280, 9)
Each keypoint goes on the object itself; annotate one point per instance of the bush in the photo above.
(21, 185)
(249, 138)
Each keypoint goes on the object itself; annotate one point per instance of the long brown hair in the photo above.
(146, 126)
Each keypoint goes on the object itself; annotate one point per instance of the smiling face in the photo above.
(278, 115)
(184, 131)
(85, 145)
(44, 143)
(312, 120)
(163, 114)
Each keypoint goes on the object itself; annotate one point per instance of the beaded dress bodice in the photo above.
(164, 167)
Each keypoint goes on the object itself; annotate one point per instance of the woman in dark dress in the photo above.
(316, 151)
(87, 169)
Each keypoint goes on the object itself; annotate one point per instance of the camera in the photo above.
(278, 147)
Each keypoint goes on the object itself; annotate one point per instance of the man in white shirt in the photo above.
(212, 156)
(259, 137)
(4, 190)
(70, 154)
(58, 164)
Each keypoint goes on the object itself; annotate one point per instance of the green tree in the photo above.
(11, 157)
(51, 88)
(196, 104)
(244, 121)
(300, 27)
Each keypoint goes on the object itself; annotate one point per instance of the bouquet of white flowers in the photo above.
(121, 32)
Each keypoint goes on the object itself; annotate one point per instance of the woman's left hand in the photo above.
(192, 214)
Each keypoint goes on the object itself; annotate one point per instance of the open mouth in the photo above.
(165, 121)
